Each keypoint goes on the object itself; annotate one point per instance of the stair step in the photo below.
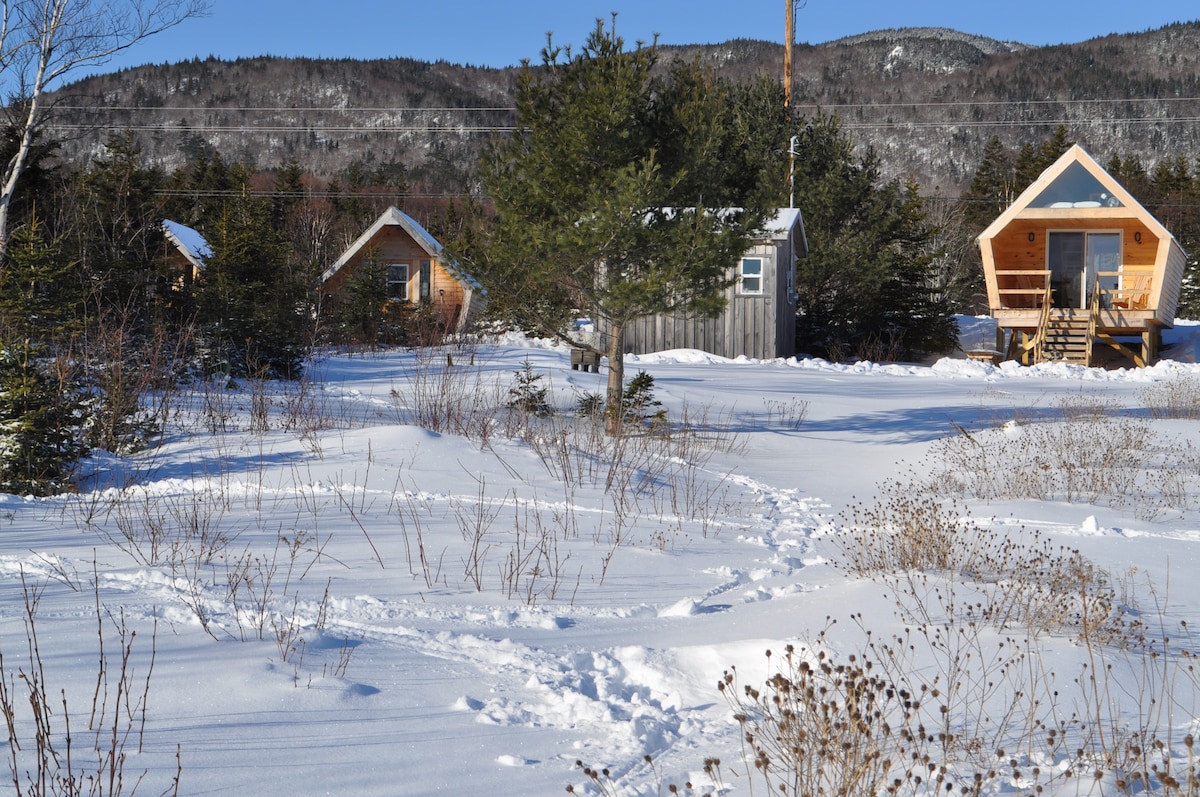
(1065, 338)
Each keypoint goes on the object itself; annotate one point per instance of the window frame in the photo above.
(425, 284)
(760, 276)
(402, 294)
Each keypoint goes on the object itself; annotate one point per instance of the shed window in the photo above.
(751, 273)
(397, 281)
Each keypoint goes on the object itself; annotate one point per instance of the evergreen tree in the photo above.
(1033, 160)
(1174, 199)
(118, 228)
(41, 423)
(252, 312)
(868, 285)
(41, 294)
(992, 189)
(608, 195)
(1055, 147)
(365, 314)
(1131, 173)
(1027, 166)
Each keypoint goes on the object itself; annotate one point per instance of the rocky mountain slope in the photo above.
(927, 99)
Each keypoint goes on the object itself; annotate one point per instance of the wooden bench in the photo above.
(985, 356)
(585, 358)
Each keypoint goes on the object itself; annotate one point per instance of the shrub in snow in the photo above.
(528, 394)
(42, 422)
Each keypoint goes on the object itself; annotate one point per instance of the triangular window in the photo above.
(1076, 187)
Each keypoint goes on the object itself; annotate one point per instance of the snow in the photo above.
(190, 239)
(347, 603)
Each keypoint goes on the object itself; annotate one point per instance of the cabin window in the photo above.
(423, 289)
(397, 281)
(1076, 187)
(751, 273)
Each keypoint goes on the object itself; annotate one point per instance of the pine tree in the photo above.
(41, 423)
(608, 194)
(992, 188)
(868, 286)
(118, 230)
(41, 293)
(252, 310)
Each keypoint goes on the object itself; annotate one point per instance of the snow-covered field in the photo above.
(347, 603)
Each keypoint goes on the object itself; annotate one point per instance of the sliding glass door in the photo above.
(1075, 259)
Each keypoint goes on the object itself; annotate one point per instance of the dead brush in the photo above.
(1092, 452)
(1007, 580)
(443, 395)
(904, 530)
(818, 726)
(1177, 399)
(47, 755)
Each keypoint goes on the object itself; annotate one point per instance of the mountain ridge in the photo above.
(925, 99)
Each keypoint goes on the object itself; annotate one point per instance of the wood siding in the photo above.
(391, 245)
(1014, 253)
(759, 326)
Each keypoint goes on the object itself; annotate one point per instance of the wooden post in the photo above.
(787, 53)
(1151, 339)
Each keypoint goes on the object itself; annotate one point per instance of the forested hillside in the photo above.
(927, 100)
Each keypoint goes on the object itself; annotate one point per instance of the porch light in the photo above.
(1031, 237)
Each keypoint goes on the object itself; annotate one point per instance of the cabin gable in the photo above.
(1075, 242)
(415, 269)
(186, 251)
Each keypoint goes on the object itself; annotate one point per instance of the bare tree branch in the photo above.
(44, 41)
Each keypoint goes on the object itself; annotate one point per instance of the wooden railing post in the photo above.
(1039, 338)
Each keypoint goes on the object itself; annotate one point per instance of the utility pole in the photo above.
(787, 53)
(787, 94)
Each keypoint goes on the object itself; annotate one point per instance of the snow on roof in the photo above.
(188, 241)
(787, 219)
(393, 216)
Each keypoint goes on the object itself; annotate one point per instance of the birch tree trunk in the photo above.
(42, 42)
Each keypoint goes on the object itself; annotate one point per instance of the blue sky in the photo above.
(500, 34)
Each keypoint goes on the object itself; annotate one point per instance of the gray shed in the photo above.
(760, 317)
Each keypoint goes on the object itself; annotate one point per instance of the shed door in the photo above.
(1074, 260)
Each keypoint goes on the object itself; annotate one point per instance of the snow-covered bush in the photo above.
(42, 423)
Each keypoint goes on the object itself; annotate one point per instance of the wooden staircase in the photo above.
(1063, 334)
(1068, 337)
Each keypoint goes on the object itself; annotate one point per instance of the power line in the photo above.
(347, 130)
(281, 109)
(509, 109)
(1141, 120)
(316, 126)
(995, 103)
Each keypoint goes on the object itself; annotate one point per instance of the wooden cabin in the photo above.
(759, 320)
(186, 251)
(1076, 265)
(415, 270)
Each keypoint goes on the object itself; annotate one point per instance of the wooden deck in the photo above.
(1043, 333)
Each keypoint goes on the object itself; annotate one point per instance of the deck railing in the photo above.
(1134, 293)
(1022, 288)
(1093, 318)
(1039, 337)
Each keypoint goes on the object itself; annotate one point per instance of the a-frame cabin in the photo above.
(1076, 263)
